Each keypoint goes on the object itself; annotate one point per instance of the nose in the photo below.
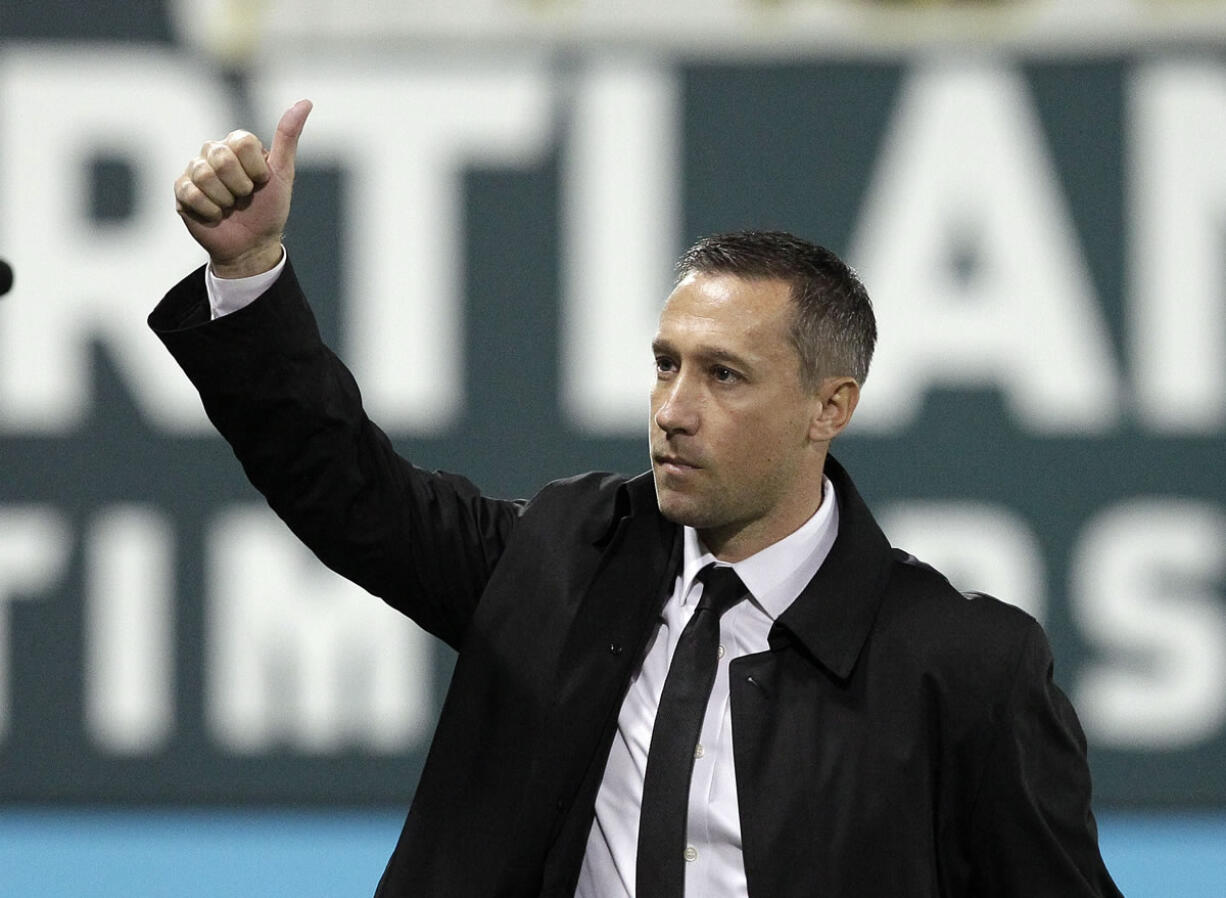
(676, 407)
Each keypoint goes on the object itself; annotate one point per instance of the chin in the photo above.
(673, 506)
(681, 509)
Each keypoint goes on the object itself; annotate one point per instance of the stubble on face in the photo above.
(731, 452)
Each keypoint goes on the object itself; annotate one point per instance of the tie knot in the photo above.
(721, 588)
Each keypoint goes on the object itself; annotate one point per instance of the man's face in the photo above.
(732, 448)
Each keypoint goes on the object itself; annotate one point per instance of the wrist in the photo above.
(255, 261)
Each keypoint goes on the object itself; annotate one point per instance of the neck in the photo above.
(736, 542)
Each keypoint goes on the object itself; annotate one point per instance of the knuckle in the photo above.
(210, 194)
(242, 142)
(193, 199)
(219, 157)
(199, 170)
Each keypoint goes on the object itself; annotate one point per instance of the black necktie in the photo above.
(660, 865)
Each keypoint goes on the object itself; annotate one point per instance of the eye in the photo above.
(724, 375)
(664, 365)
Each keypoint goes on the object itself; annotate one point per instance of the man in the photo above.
(718, 680)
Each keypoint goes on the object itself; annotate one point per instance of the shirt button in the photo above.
(719, 652)
(691, 853)
(698, 752)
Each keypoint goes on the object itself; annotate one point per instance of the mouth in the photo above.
(673, 464)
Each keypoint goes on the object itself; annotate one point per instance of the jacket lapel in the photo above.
(783, 750)
(607, 638)
(614, 619)
(628, 590)
(834, 613)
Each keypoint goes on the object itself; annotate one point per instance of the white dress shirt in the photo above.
(228, 295)
(715, 868)
(774, 577)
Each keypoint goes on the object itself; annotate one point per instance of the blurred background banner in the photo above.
(490, 197)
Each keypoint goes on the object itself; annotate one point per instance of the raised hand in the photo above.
(235, 196)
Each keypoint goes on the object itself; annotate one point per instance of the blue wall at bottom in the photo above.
(204, 854)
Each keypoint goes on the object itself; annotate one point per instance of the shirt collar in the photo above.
(775, 575)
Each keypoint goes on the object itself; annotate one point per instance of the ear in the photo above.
(836, 400)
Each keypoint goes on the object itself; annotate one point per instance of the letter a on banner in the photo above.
(964, 178)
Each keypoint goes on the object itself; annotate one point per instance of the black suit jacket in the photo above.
(898, 738)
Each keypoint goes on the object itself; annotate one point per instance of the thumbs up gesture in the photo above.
(235, 196)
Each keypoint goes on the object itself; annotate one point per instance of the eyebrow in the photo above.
(707, 353)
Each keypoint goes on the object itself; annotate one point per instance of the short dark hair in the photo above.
(833, 327)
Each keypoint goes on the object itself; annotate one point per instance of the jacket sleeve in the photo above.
(1034, 833)
(424, 542)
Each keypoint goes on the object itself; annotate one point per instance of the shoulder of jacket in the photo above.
(969, 631)
(922, 583)
(595, 496)
(590, 487)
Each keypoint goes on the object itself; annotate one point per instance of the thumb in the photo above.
(285, 141)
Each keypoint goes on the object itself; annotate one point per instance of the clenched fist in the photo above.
(235, 196)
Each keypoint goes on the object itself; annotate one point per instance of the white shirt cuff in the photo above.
(228, 295)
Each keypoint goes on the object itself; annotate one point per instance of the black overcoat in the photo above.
(898, 739)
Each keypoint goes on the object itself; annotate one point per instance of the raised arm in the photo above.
(426, 543)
